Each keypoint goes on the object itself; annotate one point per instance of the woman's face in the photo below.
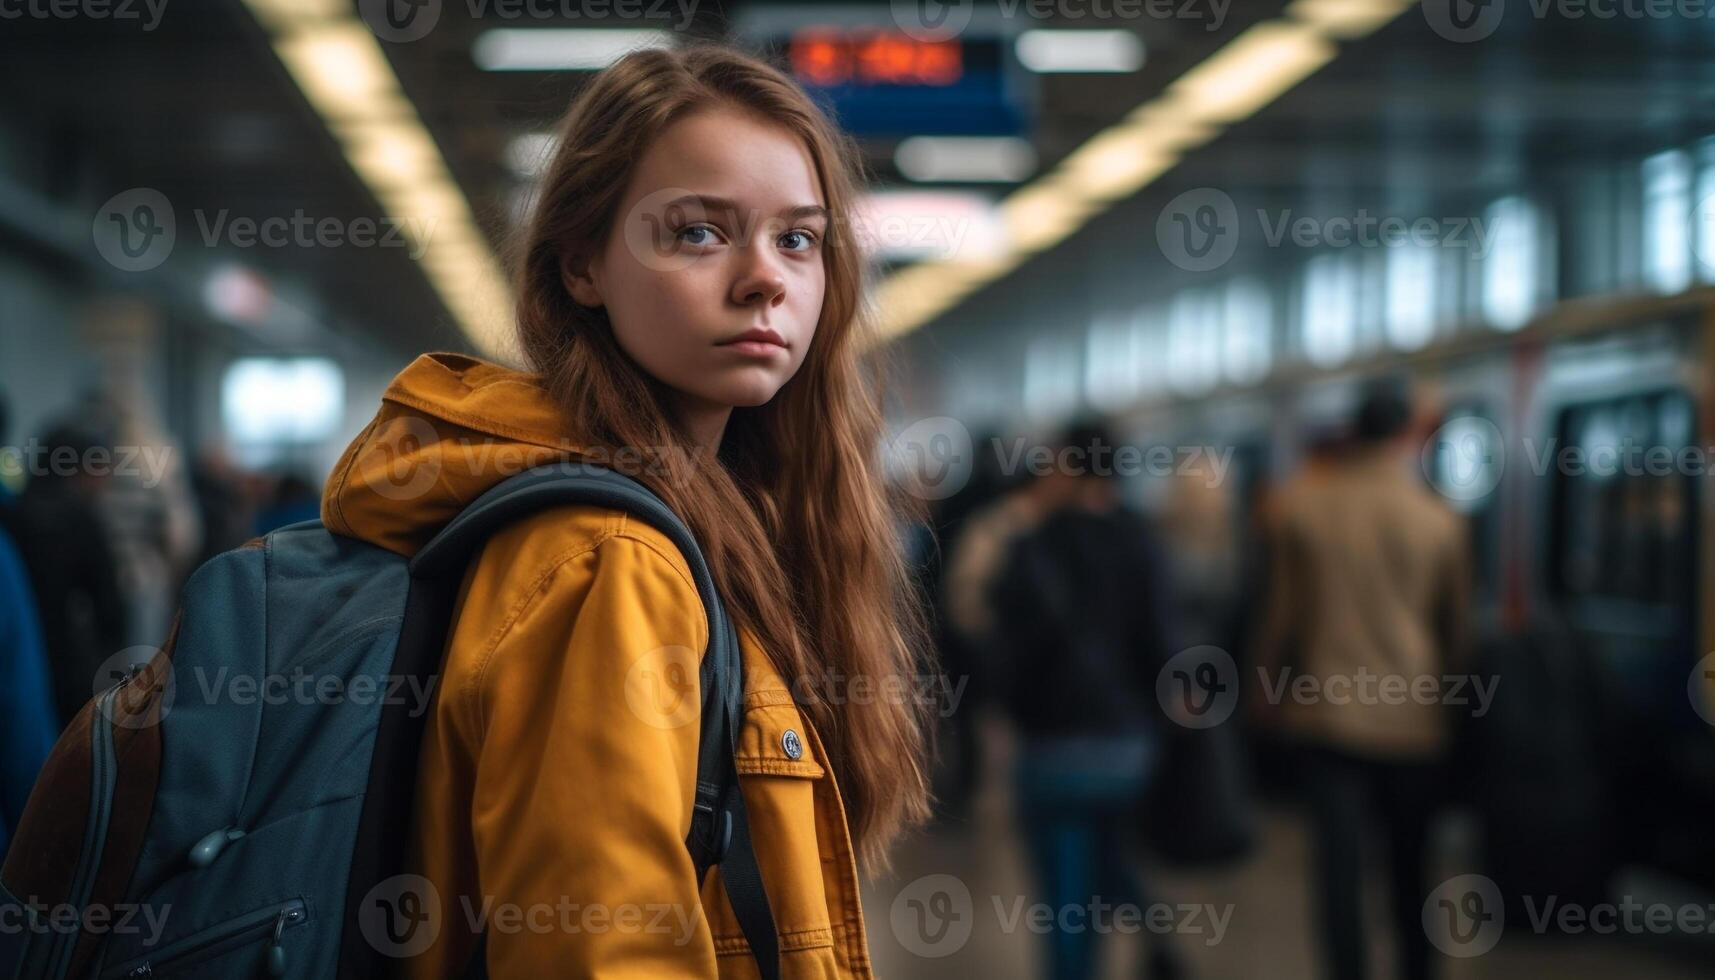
(713, 277)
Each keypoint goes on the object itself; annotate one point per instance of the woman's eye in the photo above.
(697, 235)
(798, 241)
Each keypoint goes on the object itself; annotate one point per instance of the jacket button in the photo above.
(792, 744)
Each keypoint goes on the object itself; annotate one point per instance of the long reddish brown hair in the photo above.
(798, 530)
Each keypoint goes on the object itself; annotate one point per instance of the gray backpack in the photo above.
(188, 830)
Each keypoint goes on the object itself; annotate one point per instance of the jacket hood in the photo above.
(450, 427)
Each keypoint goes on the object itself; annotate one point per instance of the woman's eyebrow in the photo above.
(710, 202)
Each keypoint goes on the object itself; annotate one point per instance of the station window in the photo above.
(1330, 318)
(1667, 225)
(1050, 376)
(1703, 213)
(1194, 341)
(1513, 267)
(1111, 364)
(1247, 332)
(1623, 512)
(272, 406)
(1410, 298)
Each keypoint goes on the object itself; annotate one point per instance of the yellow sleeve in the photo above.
(586, 708)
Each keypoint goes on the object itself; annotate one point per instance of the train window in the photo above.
(1624, 499)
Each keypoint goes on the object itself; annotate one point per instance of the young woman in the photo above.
(689, 302)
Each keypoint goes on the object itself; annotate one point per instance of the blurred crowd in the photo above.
(1115, 645)
(101, 522)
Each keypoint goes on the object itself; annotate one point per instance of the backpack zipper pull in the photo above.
(204, 852)
(277, 952)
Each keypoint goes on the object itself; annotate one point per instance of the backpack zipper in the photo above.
(104, 774)
(271, 922)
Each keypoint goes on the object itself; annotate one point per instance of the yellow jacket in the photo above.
(555, 788)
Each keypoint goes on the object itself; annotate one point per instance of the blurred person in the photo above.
(959, 758)
(1079, 627)
(28, 726)
(57, 526)
(150, 514)
(1369, 577)
(690, 310)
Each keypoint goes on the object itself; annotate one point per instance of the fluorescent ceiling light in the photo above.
(560, 48)
(1346, 19)
(1254, 70)
(339, 66)
(1103, 51)
(965, 159)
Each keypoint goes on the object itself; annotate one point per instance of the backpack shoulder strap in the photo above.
(719, 828)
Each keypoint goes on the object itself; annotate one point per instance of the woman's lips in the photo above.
(754, 348)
